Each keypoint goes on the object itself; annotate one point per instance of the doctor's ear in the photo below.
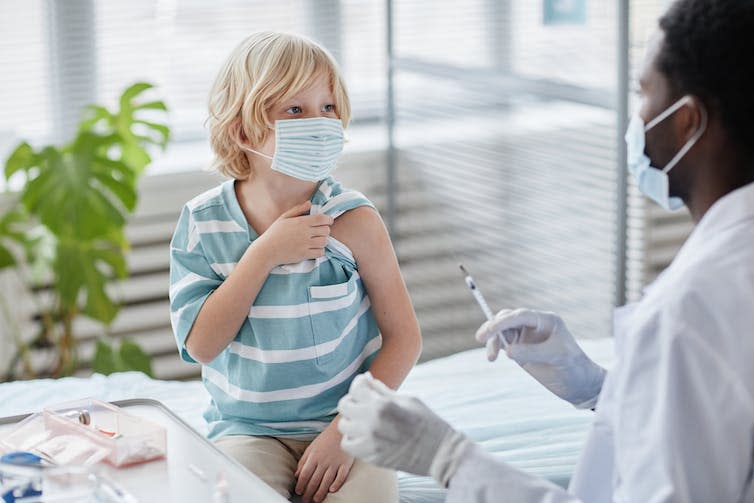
(693, 118)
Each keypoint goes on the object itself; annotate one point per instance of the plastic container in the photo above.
(129, 439)
(32, 435)
(84, 432)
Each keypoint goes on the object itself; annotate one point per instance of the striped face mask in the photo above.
(307, 149)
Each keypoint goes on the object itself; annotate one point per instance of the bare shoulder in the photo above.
(362, 230)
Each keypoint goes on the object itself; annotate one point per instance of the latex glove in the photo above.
(543, 346)
(399, 432)
(323, 468)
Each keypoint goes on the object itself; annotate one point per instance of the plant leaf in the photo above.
(98, 305)
(113, 259)
(152, 105)
(134, 358)
(135, 156)
(9, 233)
(22, 158)
(124, 192)
(104, 358)
(85, 268)
(70, 195)
(131, 92)
(6, 257)
(93, 114)
(126, 124)
(160, 129)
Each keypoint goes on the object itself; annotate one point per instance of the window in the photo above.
(504, 129)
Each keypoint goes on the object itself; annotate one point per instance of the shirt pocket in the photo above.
(333, 311)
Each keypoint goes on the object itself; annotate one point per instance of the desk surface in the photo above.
(190, 470)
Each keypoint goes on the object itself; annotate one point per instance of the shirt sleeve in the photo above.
(483, 479)
(683, 419)
(192, 280)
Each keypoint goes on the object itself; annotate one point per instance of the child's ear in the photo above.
(237, 133)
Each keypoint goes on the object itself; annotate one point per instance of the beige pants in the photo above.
(274, 460)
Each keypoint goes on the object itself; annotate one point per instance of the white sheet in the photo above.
(497, 404)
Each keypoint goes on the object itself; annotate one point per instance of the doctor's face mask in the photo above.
(654, 182)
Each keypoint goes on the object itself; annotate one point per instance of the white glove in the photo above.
(399, 432)
(543, 346)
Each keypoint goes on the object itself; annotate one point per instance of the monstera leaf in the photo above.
(129, 356)
(8, 234)
(76, 192)
(133, 132)
(86, 267)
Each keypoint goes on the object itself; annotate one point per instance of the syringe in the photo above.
(493, 342)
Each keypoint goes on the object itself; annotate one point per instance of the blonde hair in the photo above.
(263, 70)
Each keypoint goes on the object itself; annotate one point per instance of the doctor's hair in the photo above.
(706, 52)
(265, 69)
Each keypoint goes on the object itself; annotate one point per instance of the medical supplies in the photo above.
(27, 477)
(85, 432)
(169, 479)
(493, 343)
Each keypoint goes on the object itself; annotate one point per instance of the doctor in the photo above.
(675, 416)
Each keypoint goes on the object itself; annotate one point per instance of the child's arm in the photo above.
(290, 239)
(324, 466)
(363, 231)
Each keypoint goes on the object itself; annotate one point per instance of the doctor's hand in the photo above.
(323, 468)
(543, 346)
(399, 432)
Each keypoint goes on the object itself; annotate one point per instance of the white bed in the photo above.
(496, 404)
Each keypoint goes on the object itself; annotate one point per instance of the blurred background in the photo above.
(487, 132)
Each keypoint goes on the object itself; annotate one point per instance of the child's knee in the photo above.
(266, 457)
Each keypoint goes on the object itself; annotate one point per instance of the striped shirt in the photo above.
(309, 332)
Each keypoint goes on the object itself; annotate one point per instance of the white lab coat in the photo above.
(675, 418)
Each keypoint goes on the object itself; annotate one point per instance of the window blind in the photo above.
(58, 56)
(506, 125)
(505, 140)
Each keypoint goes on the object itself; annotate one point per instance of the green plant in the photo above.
(67, 234)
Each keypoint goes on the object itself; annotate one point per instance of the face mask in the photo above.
(307, 149)
(653, 182)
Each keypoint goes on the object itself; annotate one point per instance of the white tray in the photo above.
(190, 470)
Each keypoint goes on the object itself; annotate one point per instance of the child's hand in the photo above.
(294, 237)
(323, 467)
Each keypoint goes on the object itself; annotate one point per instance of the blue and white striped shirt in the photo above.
(309, 332)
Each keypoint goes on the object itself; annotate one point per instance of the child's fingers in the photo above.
(324, 485)
(315, 253)
(297, 210)
(320, 220)
(299, 471)
(318, 242)
(340, 478)
(313, 484)
(320, 231)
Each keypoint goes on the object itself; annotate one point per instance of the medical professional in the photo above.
(674, 417)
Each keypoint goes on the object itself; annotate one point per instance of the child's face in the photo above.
(314, 101)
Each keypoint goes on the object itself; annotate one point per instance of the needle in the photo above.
(492, 342)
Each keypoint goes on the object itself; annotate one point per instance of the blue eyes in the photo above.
(295, 110)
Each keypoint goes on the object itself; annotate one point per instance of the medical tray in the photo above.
(192, 471)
